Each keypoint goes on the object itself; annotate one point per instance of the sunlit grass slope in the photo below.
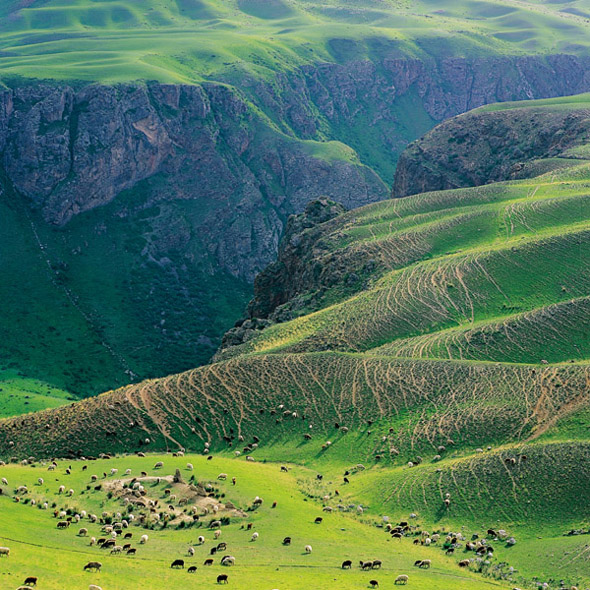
(188, 40)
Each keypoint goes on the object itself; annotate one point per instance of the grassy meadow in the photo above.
(35, 542)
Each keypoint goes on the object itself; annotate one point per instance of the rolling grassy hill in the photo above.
(440, 340)
(190, 40)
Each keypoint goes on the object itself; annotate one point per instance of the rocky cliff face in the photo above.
(192, 184)
(490, 146)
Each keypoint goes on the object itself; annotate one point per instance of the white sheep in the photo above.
(143, 539)
(403, 579)
(217, 534)
(4, 481)
(254, 536)
(114, 471)
(94, 587)
(127, 471)
(61, 489)
(191, 551)
(40, 481)
(4, 551)
(201, 540)
(308, 549)
(93, 540)
(222, 476)
(159, 465)
(189, 466)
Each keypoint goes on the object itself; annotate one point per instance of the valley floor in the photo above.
(57, 557)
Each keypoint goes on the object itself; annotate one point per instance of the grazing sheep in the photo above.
(373, 583)
(143, 539)
(347, 564)
(222, 578)
(178, 563)
(222, 476)
(159, 465)
(308, 549)
(4, 551)
(201, 540)
(190, 467)
(31, 581)
(403, 579)
(117, 549)
(215, 524)
(131, 551)
(82, 532)
(464, 563)
(63, 524)
(287, 541)
(424, 563)
(61, 489)
(191, 551)
(217, 534)
(228, 560)
(377, 563)
(94, 587)
(93, 565)
(366, 565)
(192, 569)
(4, 481)
(254, 537)
(208, 562)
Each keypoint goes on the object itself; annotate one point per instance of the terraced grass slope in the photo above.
(189, 40)
(455, 315)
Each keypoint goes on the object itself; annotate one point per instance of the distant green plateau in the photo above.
(191, 40)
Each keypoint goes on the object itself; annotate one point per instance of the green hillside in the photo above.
(190, 40)
(434, 351)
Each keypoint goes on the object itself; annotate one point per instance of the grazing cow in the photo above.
(208, 562)
(178, 563)
(93, 565)
(346, 565)
(222, 579)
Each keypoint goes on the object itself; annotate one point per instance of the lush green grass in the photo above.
(35, 542)
(188, 40)
(485, 262)
(21, 395)
(84, 311)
